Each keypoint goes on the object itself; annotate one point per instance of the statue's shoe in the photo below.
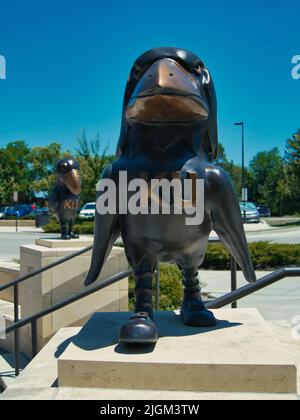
(194, 314)
(65, 237)
(140, 329)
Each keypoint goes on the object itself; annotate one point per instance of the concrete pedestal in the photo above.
(241, 354)
(8, 272)
(64, 281)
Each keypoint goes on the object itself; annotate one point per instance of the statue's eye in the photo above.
(198, 68)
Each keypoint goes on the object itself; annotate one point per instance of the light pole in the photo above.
(244, 190)
(15, 201)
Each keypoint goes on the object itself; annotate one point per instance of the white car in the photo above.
(88, 211)
(3, 211)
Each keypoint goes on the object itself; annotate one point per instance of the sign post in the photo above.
(244, 200)
(15, 200)
(245, 195)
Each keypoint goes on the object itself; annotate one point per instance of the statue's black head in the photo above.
(68, 172)
(170, 87)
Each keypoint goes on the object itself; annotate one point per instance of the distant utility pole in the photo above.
(15, 200)
(244, 189)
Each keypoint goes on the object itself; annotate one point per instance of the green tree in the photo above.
(268, 179)
(15, 172)
(27, 170)
(292, 160)
(92, 162)
(43, 161)
(234, 171)
(293, 150)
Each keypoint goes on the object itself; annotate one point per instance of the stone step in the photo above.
(82, 242)
(40, 378)
(241, 354)
(7, 368)
(96, 394)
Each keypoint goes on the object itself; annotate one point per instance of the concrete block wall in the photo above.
(8, 273)
(64, 281)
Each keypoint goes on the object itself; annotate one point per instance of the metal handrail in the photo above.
(215, 304)
(15, 285)
(33, 319)
(59, 305)
(65, 302)
(247, 290)
(231, 298)
(46, 268)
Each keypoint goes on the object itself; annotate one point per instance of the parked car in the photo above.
(250, 212)
(19, 210)
(3, 211)
(40, 211)
(88, 211)
(264, 211)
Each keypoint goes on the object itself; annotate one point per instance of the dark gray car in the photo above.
(250, 212)
(264, 211)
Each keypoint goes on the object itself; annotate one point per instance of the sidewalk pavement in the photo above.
(249, 227)
(12, 229)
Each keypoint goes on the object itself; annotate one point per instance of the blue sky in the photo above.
(68, 62)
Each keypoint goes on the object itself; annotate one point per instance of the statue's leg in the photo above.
(143, 293)
(64, 229)
(141, 329)
(193, 310)
(71, 233)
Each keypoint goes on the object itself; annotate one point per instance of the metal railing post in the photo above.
(17, 332)
(34, 338)
(157, 287)
(233, 279)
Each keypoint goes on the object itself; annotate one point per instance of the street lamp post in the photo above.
(244, 191)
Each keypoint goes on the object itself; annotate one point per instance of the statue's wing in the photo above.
(106, 232)
(227, 220)
(54, 199)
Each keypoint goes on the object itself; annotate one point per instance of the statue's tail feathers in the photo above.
(107, 230)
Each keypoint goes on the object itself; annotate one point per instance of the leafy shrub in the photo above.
(82, 227)
(170, 288)
(52, 227)
(28, 217)
(264, 255)
(85, 228)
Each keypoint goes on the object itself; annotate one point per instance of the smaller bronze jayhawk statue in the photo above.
(64, 198)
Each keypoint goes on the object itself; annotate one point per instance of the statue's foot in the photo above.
(74, 235)
(194, 314)
(65, 237)
(140, 329)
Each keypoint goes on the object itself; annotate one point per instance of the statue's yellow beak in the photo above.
(73, 181)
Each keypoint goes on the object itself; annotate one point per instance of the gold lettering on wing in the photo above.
(70, 205)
